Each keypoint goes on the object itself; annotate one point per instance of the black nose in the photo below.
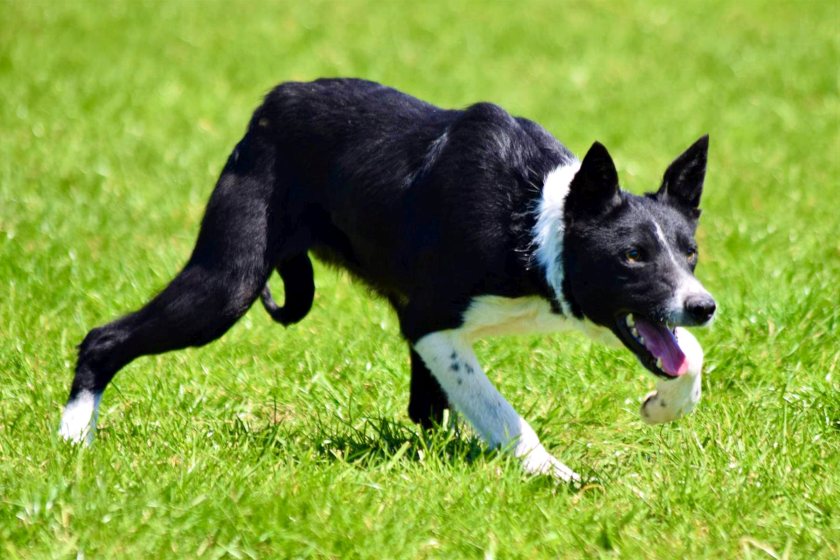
(700, 308)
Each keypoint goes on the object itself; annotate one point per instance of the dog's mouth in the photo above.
(654, 343)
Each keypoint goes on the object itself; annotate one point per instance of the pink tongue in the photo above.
(660, 341)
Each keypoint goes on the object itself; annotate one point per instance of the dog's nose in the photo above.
(700, 307)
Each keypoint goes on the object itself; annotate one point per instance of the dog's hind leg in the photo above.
(299, 286)
(230, 264)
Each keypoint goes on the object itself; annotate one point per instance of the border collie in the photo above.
(469, 222)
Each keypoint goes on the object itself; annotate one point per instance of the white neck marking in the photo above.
(550, 227)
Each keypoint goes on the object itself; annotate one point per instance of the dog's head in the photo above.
(629, 260)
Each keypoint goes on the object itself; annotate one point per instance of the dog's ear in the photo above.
(594, 188)
(682, 184)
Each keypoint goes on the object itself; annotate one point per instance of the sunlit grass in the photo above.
(114, 122)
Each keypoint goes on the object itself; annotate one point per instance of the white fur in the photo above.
(497, 315)
(449, 356)
(674, 398)
(549, 229)
(688, 285)
(664, 240)
(78, 422)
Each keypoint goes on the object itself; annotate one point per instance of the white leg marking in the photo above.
(78, 422)
(451, 360)
(674, 398)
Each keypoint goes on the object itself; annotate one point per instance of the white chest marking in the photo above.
(489, 316)
(496, 315)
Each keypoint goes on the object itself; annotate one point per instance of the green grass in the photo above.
(115, 120)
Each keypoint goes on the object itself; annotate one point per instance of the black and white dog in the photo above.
(470, 222)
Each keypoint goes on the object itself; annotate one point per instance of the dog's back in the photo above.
(398, 191)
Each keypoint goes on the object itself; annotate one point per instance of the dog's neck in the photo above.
(549, 231)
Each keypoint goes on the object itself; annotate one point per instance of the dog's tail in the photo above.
(299, 286)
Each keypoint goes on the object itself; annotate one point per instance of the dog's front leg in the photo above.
(451, 360)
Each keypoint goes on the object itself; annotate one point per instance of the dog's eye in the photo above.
(691, 255)
(632, 255)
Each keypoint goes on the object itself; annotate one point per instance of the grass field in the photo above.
(115, 120)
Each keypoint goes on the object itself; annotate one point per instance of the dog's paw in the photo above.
(75, 431)
(78, 421)
(674, 398)
(541, 462)
(666, 406)
(75, 437)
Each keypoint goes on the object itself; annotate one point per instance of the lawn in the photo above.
(115, 120)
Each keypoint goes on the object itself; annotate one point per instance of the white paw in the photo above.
(540, 461)
(669, 405)
(75, 433)
(78, 421)
(674, 398)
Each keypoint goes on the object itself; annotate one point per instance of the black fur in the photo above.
(603, 223)
(299, 283)
(429, 207)
(427, 401)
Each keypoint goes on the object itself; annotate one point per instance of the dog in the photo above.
(469, 222)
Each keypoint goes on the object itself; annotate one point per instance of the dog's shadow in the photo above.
(365, 441)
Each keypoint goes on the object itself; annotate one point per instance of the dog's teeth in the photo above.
(631, 322)
(659, 363)
(642, 339)
(634, 331)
